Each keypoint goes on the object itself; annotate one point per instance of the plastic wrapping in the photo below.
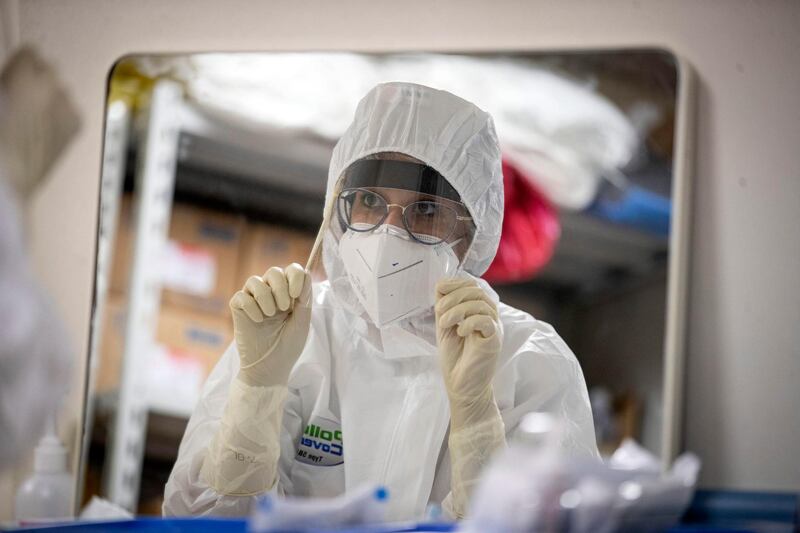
(562, 131)
(534, 487)
(99, 509)
(360, 507)
(367, 405)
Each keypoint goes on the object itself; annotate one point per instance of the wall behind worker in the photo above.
(743, 358)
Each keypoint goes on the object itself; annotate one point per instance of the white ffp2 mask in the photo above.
(393, 276)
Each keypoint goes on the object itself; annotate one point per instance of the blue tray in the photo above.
(208, 525)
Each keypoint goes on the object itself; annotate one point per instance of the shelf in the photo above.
(280, 176)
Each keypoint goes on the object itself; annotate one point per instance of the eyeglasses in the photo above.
(426, 221)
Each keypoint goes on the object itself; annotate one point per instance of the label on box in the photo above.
(174, 380)
(188, 269)
(220, 232)
(204, 336)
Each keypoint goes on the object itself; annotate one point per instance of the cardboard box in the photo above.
(200, 262)
(188, 341)
(193, 334)
(202, 259)
(265, 246)
(189, 345)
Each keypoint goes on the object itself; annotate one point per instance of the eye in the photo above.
(427, 209)
(370, 200)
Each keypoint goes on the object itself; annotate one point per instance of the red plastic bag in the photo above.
(530, 231)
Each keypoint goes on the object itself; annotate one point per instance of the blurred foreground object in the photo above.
(360, 507)
(99, 509)
(36, 123)
(37, 119)
(47, 494)
(533, 486)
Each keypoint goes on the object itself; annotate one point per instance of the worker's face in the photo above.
(423, 215)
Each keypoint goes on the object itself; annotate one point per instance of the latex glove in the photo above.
(469, 339)
(271, 317)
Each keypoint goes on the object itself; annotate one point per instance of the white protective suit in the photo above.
(368, 405)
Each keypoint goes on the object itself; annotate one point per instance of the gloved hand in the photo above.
(469, 338)
(271, 316)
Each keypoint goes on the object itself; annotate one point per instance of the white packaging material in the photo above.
(363, 506)
(531, 488)
(560, 131)
(99, 509)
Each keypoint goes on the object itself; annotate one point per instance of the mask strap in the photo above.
(451, 245)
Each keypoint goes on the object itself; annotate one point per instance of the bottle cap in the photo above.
(50, 455)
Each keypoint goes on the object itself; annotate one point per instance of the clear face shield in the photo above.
(393, 228)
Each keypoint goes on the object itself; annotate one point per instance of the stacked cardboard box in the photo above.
(201, 260)
(265, 246)
(185, 340)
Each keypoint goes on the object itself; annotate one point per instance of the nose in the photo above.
(395, 216)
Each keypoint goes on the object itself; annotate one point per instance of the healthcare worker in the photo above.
(397, 365)
(37, 122)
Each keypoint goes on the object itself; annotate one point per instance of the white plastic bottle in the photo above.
(46, 496)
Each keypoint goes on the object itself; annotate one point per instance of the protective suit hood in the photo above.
(445, 132)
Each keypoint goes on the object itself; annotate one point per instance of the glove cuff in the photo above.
(471, 411)
(243, 456)
(471, 449)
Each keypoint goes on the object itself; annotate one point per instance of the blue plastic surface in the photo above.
(741, 511)
(152, 525)
(710, 511)
(208, 525)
